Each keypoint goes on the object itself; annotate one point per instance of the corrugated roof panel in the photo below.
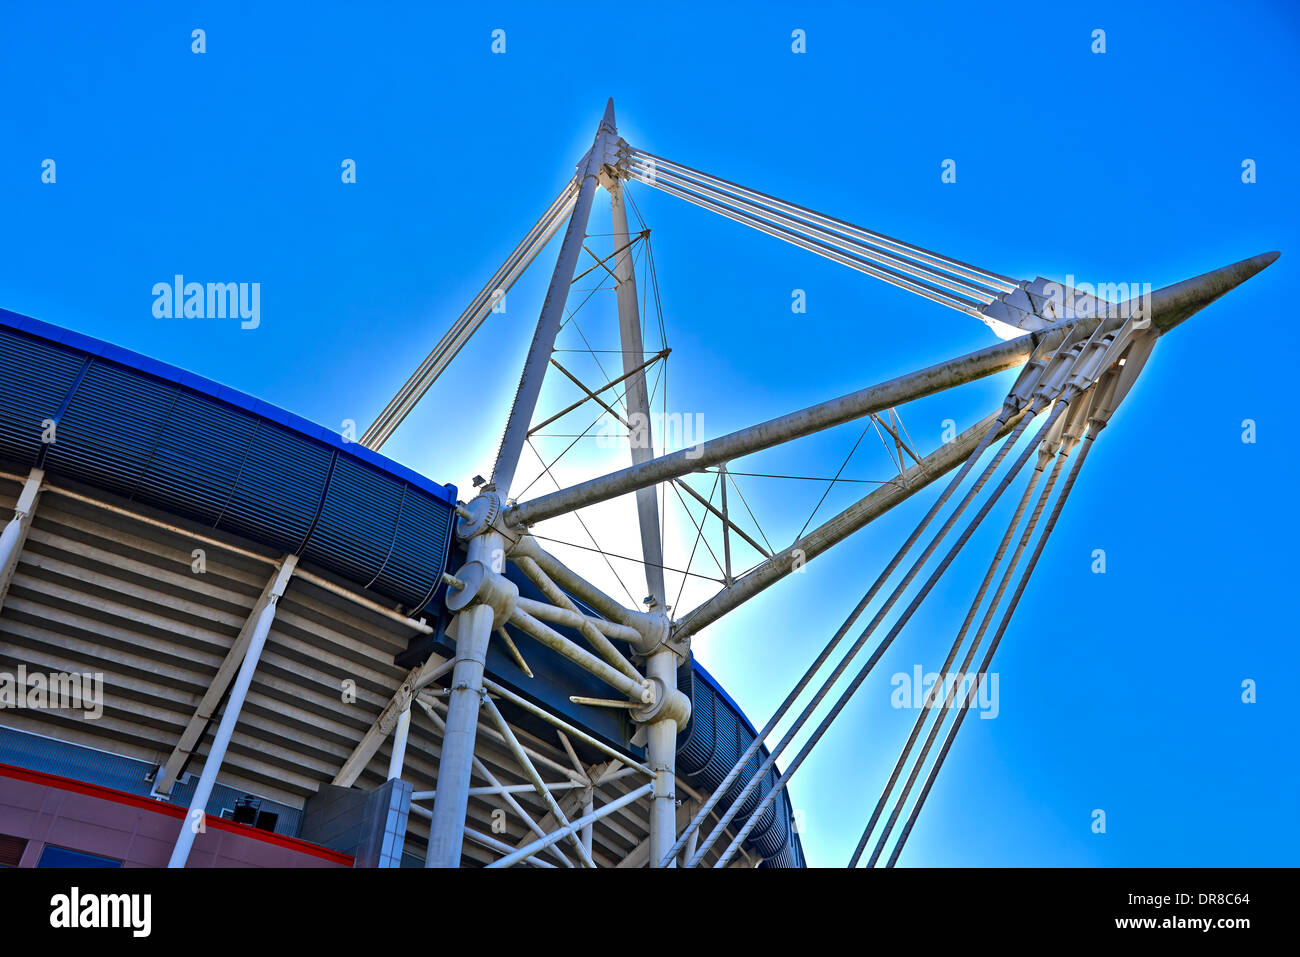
(788, 857)
(417, 559)
(751, 800)
(278, 489)
(358, 522)
(196, 462)
(34, 378)
(109, 428)
(726, 751)
(695, 751)
(772, 832)
(714, 738)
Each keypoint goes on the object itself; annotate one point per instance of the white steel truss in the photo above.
(1077, 364)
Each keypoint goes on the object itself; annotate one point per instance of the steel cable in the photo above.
(826, 652)
(867, 632)
(838, 240)
(993, 647)
(467, 323)
(984, 276)
(952, 654)
(894, 631)
(821, 248)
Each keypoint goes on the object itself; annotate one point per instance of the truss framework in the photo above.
(1076, 367)
(1076, 364)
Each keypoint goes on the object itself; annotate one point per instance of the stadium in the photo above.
(297, 652)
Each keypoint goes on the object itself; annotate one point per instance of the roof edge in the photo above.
(175, 375)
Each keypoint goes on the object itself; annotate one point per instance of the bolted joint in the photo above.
(667, 705)
(483, 515)
(479, 585)
(653, 626)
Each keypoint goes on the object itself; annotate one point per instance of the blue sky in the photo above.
(1119, 691)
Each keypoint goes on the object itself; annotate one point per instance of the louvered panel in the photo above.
(197, 460)
(109, 428)
(420, 549)
(358, 521)
(34, 379)
(278, 489)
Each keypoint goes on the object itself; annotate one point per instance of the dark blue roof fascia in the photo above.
(712, 682)
(794, 844)
(215, 390)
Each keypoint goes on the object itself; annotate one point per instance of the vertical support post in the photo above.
(398, 757)
(234, 704)
(548, 324)
(15, 531)
(636, 397)
(661, 736)
(661, 756)
(473, 632)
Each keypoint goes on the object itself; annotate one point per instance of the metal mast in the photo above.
(557, 294)
(474, 626)
(1078, 357)
(661, 662)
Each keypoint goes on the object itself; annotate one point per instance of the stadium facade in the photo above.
(155, 515)
(230, 636)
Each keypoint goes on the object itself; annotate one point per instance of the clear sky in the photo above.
(1119, 691)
